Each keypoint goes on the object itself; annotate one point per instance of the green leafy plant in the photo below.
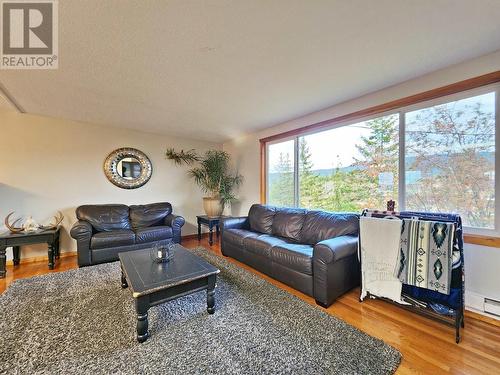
(211, 173)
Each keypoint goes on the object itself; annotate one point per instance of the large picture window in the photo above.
(435, 156)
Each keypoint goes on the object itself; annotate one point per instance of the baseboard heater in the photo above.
(482, 304)
(492, 307)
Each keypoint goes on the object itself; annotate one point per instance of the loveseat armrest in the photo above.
(176, 222)
(335, 268)
(81, 231)
(234, 223)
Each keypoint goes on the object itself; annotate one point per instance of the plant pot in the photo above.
(213, 206)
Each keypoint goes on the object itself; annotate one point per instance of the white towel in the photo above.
(379, 242)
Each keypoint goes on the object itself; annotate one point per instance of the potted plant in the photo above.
(212, 174)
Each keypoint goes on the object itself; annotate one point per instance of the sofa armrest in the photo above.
(234, 223)
(176, 222)
(336, 268)
(82, 233)
(231, 223)
(335, 249)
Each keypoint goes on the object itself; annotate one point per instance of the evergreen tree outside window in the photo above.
(351, 167)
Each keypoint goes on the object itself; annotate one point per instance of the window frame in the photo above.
(451, 93)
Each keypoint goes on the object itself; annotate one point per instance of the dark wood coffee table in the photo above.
(153, 283)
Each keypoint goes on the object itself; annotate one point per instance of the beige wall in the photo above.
(245, 152)
(50, 164)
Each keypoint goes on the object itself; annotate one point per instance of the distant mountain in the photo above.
(408, 160)
(321, 172)
(330, 171)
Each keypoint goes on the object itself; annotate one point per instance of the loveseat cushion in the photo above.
(320, 225)
(114, 238)
(262, 244)
(294, 256)
(151, 234)
(105, 217)
(261, 217)
(236, 236)
(149, 214)
(288, 223)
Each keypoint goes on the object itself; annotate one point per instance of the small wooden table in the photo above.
(16, 240)
(153, 283)
(210, 222)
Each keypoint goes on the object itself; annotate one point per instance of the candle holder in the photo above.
(162, 253)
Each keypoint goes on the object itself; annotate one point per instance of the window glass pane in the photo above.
(450, 159)
(351, 167)
(280, 180)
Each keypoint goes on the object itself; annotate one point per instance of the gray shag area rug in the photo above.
(81, 321)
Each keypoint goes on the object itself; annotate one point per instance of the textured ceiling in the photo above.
(214, 69)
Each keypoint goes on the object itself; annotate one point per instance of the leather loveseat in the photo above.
(103, 231)
(312, 251)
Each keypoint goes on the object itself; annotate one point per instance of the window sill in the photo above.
(482, 240)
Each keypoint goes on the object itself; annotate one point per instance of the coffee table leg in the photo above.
(211, 295)
(142, 307)
(124, 281)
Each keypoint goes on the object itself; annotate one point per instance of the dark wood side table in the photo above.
(210, 222)
(16, 240)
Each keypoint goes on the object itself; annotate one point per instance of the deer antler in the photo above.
(58, 220)
(12, 227)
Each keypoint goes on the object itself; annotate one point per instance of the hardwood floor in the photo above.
(428, 347)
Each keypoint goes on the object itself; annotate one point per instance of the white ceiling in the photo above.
(214, 69)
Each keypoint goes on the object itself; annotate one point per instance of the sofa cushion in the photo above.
(236, 236)
(149, 214)
(294, 256)
(114, 238)
(105, 217)
(262, 244)
(288, 223)
(319, 226)
(261, 217)
(151, 234)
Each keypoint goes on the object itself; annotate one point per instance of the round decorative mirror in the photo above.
(128, 168)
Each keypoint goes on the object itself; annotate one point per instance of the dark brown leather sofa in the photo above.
(103, 231)
(312, 251)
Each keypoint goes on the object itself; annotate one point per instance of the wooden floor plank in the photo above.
(428, 347)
